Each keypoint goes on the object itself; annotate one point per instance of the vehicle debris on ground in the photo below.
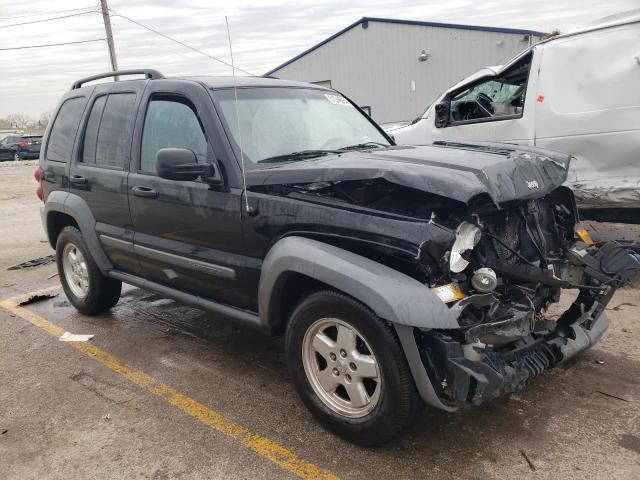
(36, 262)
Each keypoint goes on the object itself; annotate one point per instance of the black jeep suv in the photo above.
(398, 275)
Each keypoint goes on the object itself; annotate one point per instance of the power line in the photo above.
(55, 44)
(46, 13)
(46, 19)
(116, 14)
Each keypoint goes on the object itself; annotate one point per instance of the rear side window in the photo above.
(91, 132)
(171, 123)
(115, 130)
(63, 131)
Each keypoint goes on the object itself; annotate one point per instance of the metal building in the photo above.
(394, 68)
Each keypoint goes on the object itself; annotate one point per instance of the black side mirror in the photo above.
(181, 164)
(442, 114)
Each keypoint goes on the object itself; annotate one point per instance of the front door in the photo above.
(184, 230)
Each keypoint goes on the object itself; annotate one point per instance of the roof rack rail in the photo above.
(147, 72)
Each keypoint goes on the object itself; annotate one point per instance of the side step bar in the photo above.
(230, 313)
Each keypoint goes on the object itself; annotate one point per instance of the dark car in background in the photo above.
(20, 147)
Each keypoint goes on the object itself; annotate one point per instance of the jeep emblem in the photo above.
(533, 185)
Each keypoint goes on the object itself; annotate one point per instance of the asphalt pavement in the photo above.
(165, 391)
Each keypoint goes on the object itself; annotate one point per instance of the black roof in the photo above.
(246, 81)
(364, 21)
(210, 81)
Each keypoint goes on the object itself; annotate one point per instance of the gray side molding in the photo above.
(392, 295)
(77, 208)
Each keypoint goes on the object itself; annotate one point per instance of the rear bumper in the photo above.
(29, 155)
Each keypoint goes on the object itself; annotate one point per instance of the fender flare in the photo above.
(392, 295)
(77, 208)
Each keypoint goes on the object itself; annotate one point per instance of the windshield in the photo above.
(277, 122)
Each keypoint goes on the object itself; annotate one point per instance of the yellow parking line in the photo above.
(270, 450)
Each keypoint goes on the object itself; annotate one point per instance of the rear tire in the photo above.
(87, 289)
(363, 392)
(16, 157)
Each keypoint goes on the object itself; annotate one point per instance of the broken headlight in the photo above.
(467, 237)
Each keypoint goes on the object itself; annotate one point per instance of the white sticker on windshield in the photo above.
(337, 99)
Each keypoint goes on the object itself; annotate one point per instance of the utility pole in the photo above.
(107, 29)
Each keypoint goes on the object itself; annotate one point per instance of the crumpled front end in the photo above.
(503, 272)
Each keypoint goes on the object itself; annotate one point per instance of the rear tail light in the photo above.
(37, 174)
(23, 143)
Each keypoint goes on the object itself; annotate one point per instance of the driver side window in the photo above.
(173, 123)
(494, 99)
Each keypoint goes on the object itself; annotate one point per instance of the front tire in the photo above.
(16, 157)
(349, 369)
(87, 289)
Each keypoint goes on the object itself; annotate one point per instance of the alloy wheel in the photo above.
(75, 270)
(341, 367)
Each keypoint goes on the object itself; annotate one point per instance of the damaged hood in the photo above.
(459, 171)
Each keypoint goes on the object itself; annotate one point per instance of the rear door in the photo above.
(185, 231)
(60, 141)
(100, 169)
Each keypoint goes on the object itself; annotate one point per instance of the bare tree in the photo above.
(44, 119)
(18, 120)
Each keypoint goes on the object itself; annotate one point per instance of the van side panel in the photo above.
(589, 105)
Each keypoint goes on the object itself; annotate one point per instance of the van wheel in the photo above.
(349, 369)
(87, 289)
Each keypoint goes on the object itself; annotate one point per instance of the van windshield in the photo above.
(285, 124)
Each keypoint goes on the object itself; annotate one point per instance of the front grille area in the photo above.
(528, 228)
(509, 235)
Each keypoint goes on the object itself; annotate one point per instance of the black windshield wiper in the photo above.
(364, 145)
(294, 156)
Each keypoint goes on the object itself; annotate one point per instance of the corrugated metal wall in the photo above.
(377, 65)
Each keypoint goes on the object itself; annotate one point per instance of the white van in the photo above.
(577, 93)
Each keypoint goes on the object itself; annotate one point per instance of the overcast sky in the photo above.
(265, 33)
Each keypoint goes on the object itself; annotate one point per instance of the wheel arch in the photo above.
(56, 221)
(392, 295)
(63, 209)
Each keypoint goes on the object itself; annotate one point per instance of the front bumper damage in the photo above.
(462, 379)
(447, 376)
(514, 343)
